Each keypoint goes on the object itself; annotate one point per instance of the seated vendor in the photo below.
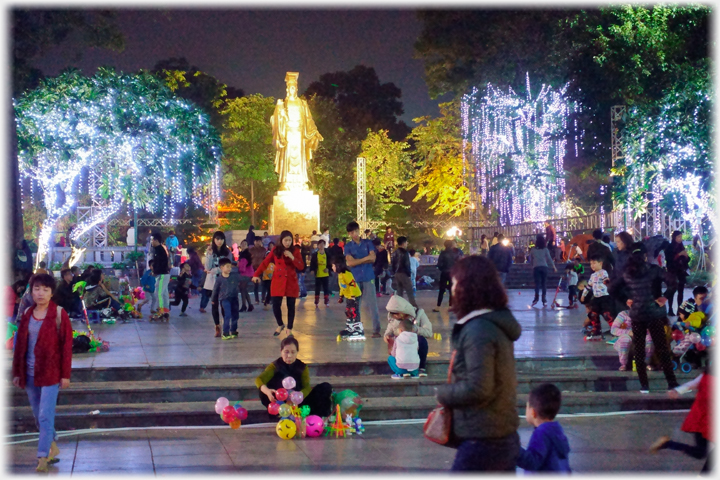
(318, 398)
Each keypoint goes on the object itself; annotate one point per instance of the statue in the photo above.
(295, 137)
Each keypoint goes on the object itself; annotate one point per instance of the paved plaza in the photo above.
(190, 340)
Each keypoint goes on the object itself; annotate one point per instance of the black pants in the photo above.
(324, 283)
(656, 327)
(256, 289)
(404, 285)
(319, 400)
(266, 291)
(675, 284)
(488, 454)
(277, 310)
(181, 297)
(540, 276)
(572, 293)
(444, 285)
(699, 450)
(244, 295)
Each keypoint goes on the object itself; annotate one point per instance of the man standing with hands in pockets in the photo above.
(360, 256)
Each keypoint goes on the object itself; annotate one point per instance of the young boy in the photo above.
(404, 359)
(147, 281)
(182, 290)
(572, 279)
(601, 303)
(349, 290)
(319, 264)
(692, 305)
(226, 292)
(577, 266)
(548, 448)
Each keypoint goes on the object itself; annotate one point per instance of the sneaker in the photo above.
(422, 373)
(612, 341)
(534, 302)
(417, 375)
(202, 310)
(378, 295)
(183, 314)
(544, 304)
(396, 376)
(226, 336)
(250, 308)
(234, 334)
(406, 375)
(659, 444)
(436, 309)
(645, 391)
(218, 332)
(266, 307)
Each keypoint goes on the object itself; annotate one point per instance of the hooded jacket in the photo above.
(483, 389)
(405, 351)
(421, 322)
(547, 451)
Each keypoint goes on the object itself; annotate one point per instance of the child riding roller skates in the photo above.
(350, 291)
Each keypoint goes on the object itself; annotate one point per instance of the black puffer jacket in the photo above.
(643, 289)
(483, 389)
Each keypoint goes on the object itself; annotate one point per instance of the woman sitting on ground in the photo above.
(318, 398)
(97, 296)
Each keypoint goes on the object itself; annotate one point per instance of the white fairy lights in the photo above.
(518, 146)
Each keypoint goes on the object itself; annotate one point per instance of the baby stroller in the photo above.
(689, 351)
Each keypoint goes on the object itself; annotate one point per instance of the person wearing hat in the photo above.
(400, 309)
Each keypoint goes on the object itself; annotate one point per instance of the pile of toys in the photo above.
(232, 415)
(690, 346)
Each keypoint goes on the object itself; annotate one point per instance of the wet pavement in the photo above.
(190, 340)
(601, 444)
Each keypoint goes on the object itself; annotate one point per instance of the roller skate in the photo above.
(162, 315)
(595, 336)
(353, 332)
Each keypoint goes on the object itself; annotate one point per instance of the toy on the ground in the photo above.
(337, 426)
(349, 402)
(286, 429)
(314, 426)
(233, 415)
(689, 346)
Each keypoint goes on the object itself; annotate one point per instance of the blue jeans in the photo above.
(422, 350)
(301, 280)
(398, 370)
(205, 298)
(43, 401)
(196, 278)
(231, 313)
(367, 304)
(488, 454)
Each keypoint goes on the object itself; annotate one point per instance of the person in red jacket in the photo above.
(698, 422)
(287, 259)
(42, 362)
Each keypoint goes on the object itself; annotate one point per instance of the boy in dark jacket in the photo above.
(65, 297)
(402, 271)
(501, 256)
(182, 290)
(548, 448)
(381, 267)
(225, 293)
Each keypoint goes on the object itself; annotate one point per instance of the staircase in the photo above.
(186, 395)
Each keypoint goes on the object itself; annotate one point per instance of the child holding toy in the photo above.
(404, 359)
(318, 398)
(350, 291)
(400, 309)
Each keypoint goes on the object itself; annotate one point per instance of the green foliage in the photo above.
(118, 265)
(439, 161)
(387, 171)
(56, 267)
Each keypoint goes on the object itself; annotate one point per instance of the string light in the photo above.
(518, 146)
(141, 144)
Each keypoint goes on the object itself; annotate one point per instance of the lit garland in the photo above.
(518, 148)
(140, 144)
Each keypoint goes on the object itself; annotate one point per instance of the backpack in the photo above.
(58, 316)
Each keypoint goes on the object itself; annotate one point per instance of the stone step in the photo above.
(243, 389)
(387, 408)
(435, 366)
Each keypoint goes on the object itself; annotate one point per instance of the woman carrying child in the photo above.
(42, 362)
(643, 284)
(217, 250)
(288, 260)
(318, 398)
(400, 309)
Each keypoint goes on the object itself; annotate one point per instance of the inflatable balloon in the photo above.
(286, 429)
(296, 397)
(281, 394)
(273, 408)
(288, 383)
(314, 426)
(694, 337)
(284, 410)
(677, 335)
(242, 413)
(235, 424)
(229, 413)
(700, 346)
(707, 341)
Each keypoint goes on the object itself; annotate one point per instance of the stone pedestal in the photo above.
(296, 211)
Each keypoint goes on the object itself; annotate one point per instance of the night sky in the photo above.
(252, 49)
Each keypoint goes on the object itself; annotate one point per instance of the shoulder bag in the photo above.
(438, 426)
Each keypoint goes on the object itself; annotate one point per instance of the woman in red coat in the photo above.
(698, 422)
(42, 362)
(287, 259)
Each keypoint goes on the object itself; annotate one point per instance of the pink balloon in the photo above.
(242, 413)
(314, 426)
(281, 394)
(296, 397)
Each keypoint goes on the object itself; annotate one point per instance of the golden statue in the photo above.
(295, 136)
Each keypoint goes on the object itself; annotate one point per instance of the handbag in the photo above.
(438, 426)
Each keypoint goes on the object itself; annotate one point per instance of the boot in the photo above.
(218, 332)
(317, 299)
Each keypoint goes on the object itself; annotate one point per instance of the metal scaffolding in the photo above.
(361, 205)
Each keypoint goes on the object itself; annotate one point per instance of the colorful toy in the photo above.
(284, 410)
(286, 429)
(314, 426)
(281, 394)
(296, 398)
(274, 408)
(337, 427)
(289, 383)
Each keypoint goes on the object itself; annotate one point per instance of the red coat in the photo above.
(284, 280)
(53, 352)
(699, 420)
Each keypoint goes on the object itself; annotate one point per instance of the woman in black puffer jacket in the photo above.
(482, 394)
(642, 283)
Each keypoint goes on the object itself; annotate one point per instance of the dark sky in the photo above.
(252, 49)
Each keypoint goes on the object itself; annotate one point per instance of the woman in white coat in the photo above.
(399, 309)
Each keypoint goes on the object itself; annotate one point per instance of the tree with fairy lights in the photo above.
(517, 147)
(137, 142)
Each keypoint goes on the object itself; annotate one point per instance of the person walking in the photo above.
(446, 261)
(482, 395)
(250, 237)
(677, 260)
(161, 269)
(360, 256)
(402, 271)
(501, 257)
(541, 260)
(216, 250)
(172, 242)
(42, 361)
(257, 252)
(288, 260)
(642, 283)
(196, 268)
